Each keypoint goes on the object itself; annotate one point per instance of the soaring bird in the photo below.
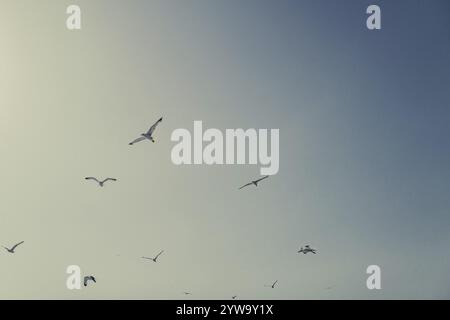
(234, 297)
(255, 182)
(13, 248)
(155, 258)
(100, 183)
(88, 278)
(148, 135)
(307, 249)
(187, 293)
(273, 285)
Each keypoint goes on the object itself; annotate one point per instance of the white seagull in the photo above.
(88, 278)
(13, 248)
(148, 135)
(255, 182)
(102, 182)
(155, 258)
(307, 249)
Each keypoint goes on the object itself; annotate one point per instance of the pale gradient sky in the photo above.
(364, 152)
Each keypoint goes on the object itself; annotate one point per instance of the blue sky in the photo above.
(364, 157)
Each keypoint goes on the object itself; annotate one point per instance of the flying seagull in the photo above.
(88, 278)
(148, 135)
(187, 293)
(307, 249)
(273, 285)
(255, 182)
(13, 248)
(155, 258)
(233, 297)
(100, 183)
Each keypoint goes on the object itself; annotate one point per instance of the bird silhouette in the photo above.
(307, 249)
(155, 258)
(148, 135)
(11, 250)
(87, 279)
(100, 182)
(255, 182)
(273, 285)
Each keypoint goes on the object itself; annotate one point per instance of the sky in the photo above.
(364, 154)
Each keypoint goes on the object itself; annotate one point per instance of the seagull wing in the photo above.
(92, 178)
(274, 284)
(153, 127)
(15, 246)
(147, 258)
(159, 254)
(136, 140)
(246, 185)
(261, 179)
(109, 179)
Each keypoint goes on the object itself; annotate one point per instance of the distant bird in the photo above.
(273, 285)
(148, 135)
(88, 278)
(234, 297)
(155, 258)
(255, 182)
(307, 249)
(187, 293)
(100, 183)
(13, 248)
(328, 288)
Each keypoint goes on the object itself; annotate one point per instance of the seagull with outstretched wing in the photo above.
(100, 182)
(155, 258)
(87, 279)
(255, 182)
(307, 249)
(148, 135)
(11, 250)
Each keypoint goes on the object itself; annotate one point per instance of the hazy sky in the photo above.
(364, 148)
